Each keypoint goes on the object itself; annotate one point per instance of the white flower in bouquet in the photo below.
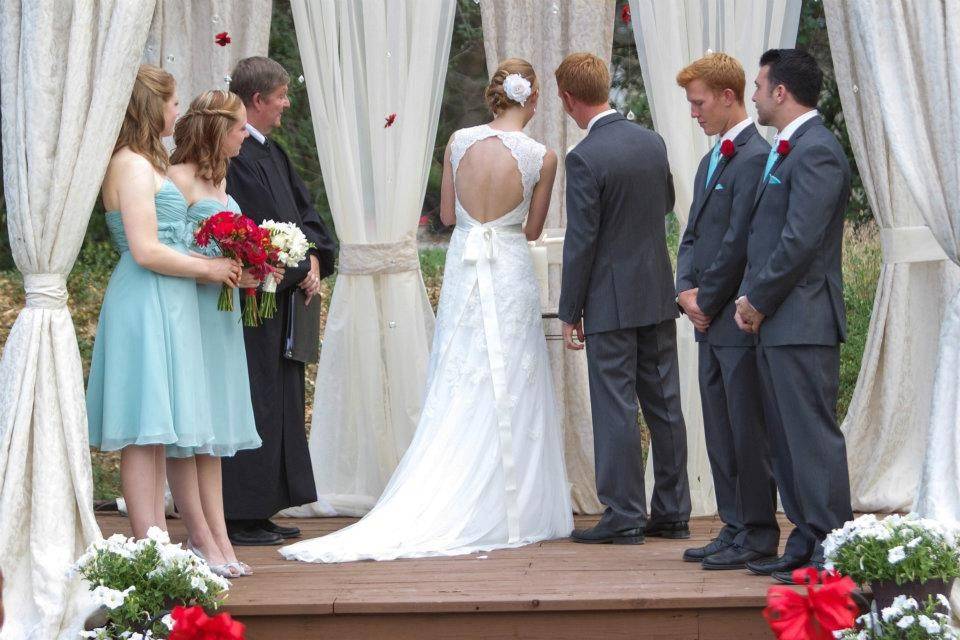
(905, 618)
(110, 598)
(291, 245)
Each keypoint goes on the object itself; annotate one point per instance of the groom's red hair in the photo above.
(585, 77)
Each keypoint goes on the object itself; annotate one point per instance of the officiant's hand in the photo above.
(688, 301)
(311, 283)
(568, 331)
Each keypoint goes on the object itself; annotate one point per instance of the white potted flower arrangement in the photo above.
(896, 555)
(137, 582)
(905, 619)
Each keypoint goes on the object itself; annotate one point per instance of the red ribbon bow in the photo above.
(826, 607)
(222, 39)
(192, 623)
(783, 147)
(727, 148)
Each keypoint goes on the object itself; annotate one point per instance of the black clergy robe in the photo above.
(260, 482)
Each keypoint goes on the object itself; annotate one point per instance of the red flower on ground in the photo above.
(826, 607)
(192, 623)
(222, 39)
(727, 148)
(390, 120)
(625, 14)
(783, 147)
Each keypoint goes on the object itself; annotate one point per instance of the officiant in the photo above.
(260, 482)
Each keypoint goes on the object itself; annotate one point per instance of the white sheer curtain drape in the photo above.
(669, 36)
(181, 40)
(886, 425)
(364, 61)
(544, 34)
(65, 78)
(916, 112)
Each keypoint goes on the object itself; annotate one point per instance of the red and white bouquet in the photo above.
(289, 247)
(240, 239)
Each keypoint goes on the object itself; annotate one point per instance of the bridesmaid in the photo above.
(146, 387)
(206, 137)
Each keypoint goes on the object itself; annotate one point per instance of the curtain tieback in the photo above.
(910, 244)
(369, 259)
(45, 290)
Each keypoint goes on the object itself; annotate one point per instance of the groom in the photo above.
(792, 300)
(617, 290)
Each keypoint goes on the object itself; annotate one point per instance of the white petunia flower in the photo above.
(913, 543)
(199, 584)
(929, 625)
(906, 621)
(158, 535)
(167, 620)
(896, 554)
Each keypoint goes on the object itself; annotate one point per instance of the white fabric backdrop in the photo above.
(920, 117)
(544, 34)
(669, 36)
(65, 80)
(887, 422)
(362, 62)
(181, 40)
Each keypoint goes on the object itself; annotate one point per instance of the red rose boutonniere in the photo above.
(727, 149)
(222, 38)
(625, 14)
(783, 147)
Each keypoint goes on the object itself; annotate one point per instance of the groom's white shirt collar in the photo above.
(259, 137)
(791, 128)
(736, 130)
(594, 119)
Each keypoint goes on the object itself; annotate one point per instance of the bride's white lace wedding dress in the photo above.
(485, 468)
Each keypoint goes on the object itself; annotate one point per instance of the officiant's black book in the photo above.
(302, 341)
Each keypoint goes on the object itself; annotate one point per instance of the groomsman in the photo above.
(710, 263)
(617, 292)
(260, 482)
(792, 300)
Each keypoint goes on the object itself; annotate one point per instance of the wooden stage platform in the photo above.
(553, 590)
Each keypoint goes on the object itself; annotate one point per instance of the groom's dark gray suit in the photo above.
(712, 257)
(794, 277)
(618, 279)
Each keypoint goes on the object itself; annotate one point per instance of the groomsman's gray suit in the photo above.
(617, 277)
(712, 257)
(794, 278)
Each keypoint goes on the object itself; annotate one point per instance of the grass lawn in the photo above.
(861, 265)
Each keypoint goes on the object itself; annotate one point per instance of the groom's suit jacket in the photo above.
(713, 251)
(616, 269)
(794, 274)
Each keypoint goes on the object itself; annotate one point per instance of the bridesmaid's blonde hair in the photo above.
(144, 121)
(199, 133)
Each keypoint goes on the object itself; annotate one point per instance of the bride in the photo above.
(485, 467)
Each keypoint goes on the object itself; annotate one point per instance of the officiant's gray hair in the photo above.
(257, 74)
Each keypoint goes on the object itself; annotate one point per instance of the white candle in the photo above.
(541, 270)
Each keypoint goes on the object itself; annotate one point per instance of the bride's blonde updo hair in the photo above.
(496, 98)
(199, 133)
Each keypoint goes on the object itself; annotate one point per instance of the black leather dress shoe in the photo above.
(273, 527)
(786, 577)
(769, 566)
(602, 535)
(734, 557)
(674, 530)
(697, 554)
(251, 536)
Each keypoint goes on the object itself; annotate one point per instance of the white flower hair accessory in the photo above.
(517, 88)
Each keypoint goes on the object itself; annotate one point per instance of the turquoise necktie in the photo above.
(714, 161)
(771, 159)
